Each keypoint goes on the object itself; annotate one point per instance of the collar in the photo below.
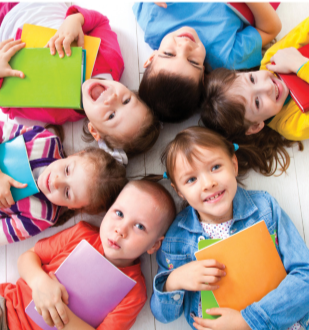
(243, 207)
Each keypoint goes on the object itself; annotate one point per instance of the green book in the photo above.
(15, 163)
(50, 81)
(207, 297)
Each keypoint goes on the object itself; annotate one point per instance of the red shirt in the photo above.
(52, 252)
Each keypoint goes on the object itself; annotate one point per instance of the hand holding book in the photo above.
(8, 49)
(196, 276)
(70, 30)
(287, 60)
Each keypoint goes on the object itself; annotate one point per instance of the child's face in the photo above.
(112, 109)
(210, 185)
(180, 52)
(131, 227)
(62, 180)
(264, 93)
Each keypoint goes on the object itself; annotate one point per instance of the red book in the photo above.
(244, 12)
(299, 89)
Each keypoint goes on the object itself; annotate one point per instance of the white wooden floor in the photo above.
(291, 190)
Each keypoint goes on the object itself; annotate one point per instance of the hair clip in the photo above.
(165, 176)
(236, 146)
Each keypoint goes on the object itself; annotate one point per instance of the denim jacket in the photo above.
(280, 308)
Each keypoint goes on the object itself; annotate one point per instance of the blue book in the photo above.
(15, 163)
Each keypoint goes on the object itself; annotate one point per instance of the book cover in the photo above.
(15, 163)
(36, 36)
(95, 286)
(245, 13)
(299, 89)
(50, 81)
(248, 256)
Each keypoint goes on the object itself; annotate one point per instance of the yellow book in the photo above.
(36, 36)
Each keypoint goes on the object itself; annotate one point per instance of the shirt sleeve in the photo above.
(125, 314)
(246, 51)
(9, 130)
(289, 303)
(165, 306)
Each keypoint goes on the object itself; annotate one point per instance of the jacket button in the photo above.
(192, 314)
(176, 297)
(201, 238)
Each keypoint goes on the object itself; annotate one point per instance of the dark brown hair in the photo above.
(264, 151)
(109, 177)
(186, 142)
(142, 142)
(173, 98)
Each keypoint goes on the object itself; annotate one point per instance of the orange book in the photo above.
(253, 266)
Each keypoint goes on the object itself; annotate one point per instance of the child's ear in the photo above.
(177, 191)
(93, 132)
(255, 128)
(150, 58)
(235, 164)
(156, 246)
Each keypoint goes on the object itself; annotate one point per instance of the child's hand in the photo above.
(70, 30)
(196, 276)
(161, 4)
(230, 319)
(50, 298)
(8, 49)
(287, 60)
(6, 199)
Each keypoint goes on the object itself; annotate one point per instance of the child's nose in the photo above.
(121, 231)
(57, 182)
(110, 99)
(208, 182)
(184, 45)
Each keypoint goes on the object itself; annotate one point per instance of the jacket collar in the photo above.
(243, 207)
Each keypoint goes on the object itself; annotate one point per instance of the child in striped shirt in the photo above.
(89, 181)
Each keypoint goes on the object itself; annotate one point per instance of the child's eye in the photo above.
(252, 79)
(191, 180)
(119, 213)
(126, 101)
(168, 54)
(111, 116)
(67, 170)
(257, 102)
(139, 226)
(216, 167)
(193, 62)
(67, 195)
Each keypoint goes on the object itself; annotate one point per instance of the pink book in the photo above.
(95, 286)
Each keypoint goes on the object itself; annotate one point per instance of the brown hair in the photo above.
(142, 142)
(109, 177)
(264, 151)
(186, 142)
(173, 98)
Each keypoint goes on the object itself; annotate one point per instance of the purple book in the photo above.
(95, 286)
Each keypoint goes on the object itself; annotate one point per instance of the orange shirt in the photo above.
(52, 252)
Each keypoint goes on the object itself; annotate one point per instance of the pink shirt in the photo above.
(109, 60)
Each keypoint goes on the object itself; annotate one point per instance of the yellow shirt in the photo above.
(290, 122)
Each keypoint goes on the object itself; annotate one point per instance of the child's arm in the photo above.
(291, 298)
(267, 21)
(8, 49)
(167, 301)
(48, 294)
(70, 30)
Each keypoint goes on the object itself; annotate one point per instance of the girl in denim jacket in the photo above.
(203, 167)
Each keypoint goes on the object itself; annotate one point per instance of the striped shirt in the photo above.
(33, 214)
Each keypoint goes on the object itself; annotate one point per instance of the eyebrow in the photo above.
(171, 57)
(72, 167)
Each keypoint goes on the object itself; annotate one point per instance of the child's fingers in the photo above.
(5, 42)
(64, 292)
(58, 45)
(62, 314)
(51, 45)
(56, 318)
(46, 317)
(215, 311)
(212, 263)
(14, 49)
(271, 67)
(4, 204)
(67, 45)
(208, 287)
(7, 47)
(80, 40)
(202, 324)
(14, 73)
(15, 183)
